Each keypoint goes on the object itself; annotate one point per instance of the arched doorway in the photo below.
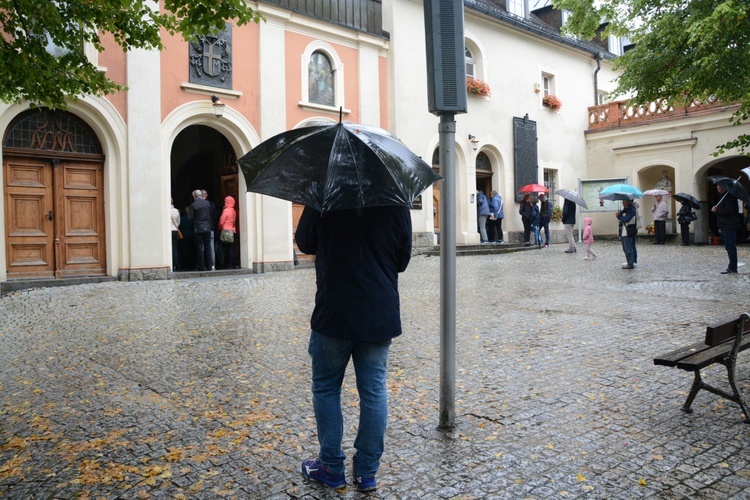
(53, 181)
(729, 167)
(202, 158)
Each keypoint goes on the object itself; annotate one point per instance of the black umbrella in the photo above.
(336, 166)
(689, 199)
(732, 186)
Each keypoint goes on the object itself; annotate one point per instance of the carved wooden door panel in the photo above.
(79, 227)
(29, 214)
(54, 218)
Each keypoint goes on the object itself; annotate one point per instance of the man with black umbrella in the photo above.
(727, 219)
(359, 253)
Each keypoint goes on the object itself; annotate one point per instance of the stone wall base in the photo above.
(269, 267)
(144, 274)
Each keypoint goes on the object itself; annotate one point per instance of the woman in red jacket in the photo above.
(227, 231)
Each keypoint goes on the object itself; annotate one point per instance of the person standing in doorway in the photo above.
(495, 222)
(226, 223)
(727, 219)
(174, 222)
(214, 222)
(200, 218)
(359, 254)
(545, 215)
(569, 220)
(483, 212)
(661, 212)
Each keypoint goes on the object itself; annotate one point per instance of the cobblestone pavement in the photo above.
(199, 388)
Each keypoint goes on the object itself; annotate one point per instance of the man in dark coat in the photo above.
(200, 216)
(359, 254)
(569, 220)
(727, 219)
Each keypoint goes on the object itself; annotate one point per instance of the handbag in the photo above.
(693, 216)
(227, 236)
(631, 229)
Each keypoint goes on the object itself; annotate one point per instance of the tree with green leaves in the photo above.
(41, 47)
(685, 50)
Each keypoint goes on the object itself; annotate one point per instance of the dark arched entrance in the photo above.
(202, 158)
(53, 181)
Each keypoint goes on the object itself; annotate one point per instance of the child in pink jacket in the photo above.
(588, 239)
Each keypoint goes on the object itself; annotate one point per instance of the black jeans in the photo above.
(526, 230)
(495, 230)
(202, 250)
(685, 232)
(660, 228)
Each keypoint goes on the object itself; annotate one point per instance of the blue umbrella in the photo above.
(620, 192)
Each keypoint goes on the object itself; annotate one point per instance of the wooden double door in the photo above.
(54, 217)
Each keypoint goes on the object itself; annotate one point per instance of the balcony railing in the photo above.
(621, 114)
(362, 15)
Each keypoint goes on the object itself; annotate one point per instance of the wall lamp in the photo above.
(218, 106)
(474, 142)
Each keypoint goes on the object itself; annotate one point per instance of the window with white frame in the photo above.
(471, 64)
(517, 7)
(322, 78)
(548, 84)
(550, 179)
(614, 45)
(601, 97)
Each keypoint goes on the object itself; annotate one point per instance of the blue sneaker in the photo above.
(315, 470)
(365, 483)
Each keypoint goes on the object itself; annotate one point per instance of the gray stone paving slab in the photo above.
(199, 388)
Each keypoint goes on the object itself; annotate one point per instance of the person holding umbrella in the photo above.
(627, 230)
(569, 220)
(525, 211)
(684, 218)
(660, 211)
(727, 218)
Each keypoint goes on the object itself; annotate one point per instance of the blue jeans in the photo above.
(628, 246)
(730, 245)
(330, 357)
(545, 226)
(537, 234)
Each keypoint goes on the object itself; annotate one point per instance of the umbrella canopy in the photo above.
(732, 186)
(689, 199)
(533, 188)
(572, 196)
(620, 192)
(655, 192)
(337, 166)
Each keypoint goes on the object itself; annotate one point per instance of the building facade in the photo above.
(87, 192)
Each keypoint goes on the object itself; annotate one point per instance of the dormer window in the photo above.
(517, 7)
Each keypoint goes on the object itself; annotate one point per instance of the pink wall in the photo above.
(176, 70)
(114, 59)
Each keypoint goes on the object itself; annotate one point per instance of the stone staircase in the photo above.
(487, 249)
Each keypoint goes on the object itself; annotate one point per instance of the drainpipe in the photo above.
(598, 59)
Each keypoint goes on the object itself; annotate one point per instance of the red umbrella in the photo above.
(533, 188)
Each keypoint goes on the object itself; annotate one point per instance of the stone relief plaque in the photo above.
(211, 59)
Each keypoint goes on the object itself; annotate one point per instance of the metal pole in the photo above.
(447, 130)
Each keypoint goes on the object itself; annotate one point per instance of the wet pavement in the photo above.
(199, 387)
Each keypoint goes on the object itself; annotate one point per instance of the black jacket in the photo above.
(727, 213)
(359, 254)
(200, 216)
(569, 212)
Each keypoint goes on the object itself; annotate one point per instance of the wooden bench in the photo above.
(723, 341)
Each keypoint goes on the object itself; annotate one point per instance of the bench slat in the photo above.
(673, 357)
(709, 356)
